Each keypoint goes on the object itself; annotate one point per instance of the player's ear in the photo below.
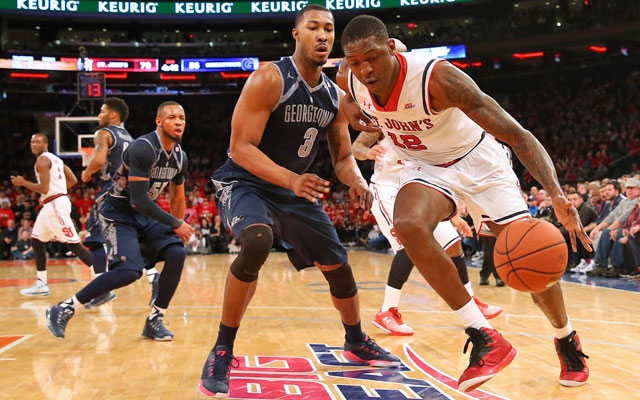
(295, 34)
(158, 121)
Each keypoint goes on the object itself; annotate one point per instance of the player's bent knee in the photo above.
(175, 254)
(455, 250)
(408, 227)
(342, 284)
(255, 243)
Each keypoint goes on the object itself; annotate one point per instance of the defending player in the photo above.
(441, 127)
(53, 220)
(130, 218)
(110, 140)
(265, 195)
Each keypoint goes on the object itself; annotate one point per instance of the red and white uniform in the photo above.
(54, 218)
(385, 183)
(446, 151)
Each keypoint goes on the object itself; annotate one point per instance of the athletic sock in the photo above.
(469, 288)
(471, 316)
(391, 298)
(562, 333)
(42, 276)
(151, 274)
(155, 310)
(227, 336)
(354, 333)
(71, 302)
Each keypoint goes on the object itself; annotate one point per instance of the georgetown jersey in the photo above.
(121, 139)
(146, 158)
(415, 130)
(300, 117)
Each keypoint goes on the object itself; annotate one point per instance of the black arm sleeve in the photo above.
(145, 206)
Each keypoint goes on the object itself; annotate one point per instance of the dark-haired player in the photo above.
(442, 127)
(54, 219)
(130, 218)
(265, 194)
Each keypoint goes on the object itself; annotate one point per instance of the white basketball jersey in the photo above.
(416, 131)
(57, 180)
(387, 172)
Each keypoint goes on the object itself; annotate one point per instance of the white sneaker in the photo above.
(479, 256)
(589, 267)
(38, 289)
(580, 266)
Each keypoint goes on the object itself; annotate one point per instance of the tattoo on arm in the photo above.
(461, 91)
(362, 144)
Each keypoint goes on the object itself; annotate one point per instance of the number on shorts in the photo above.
(67, 232)
(310, 137)
(411, 142)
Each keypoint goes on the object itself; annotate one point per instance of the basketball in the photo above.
(530, 255)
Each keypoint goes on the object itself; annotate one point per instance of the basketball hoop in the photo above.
(87, 155)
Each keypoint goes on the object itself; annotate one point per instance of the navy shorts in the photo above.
(300, 226)
(132, 239)
(93, 227)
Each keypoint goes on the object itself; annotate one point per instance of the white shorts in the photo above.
(484, 180)
(54, 221)
(384, 198)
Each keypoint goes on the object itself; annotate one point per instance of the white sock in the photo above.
(391, 298)
(564, 332)
(151, 273)
(72, 302)
(157, 310)
(42, 276)
(98, 274)
(471, 316)
(469, 288)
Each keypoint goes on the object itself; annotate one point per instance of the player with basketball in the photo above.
(265, 195)
(54, 219)
(110, 140)
(131, 219)
(442, 127)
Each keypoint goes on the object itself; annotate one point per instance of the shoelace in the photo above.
(64, 316)
(372, 347)
(220, 367)
(479, 343)
(571, 354)
(158, 325)
(396, 314)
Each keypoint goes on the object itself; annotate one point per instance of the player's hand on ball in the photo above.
(310, 186)
(17, 180)
(184, 231)
(376, 153)
(360, 194)
(568, 216)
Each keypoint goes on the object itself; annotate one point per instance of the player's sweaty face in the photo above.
(38, 144)
(103, 117)
(172, 121)
(371, 63)
(316, 35)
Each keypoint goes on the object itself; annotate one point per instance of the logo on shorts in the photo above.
(235, 220)
(409, 106)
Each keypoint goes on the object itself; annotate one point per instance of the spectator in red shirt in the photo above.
(83, 204)
(207, 209)
(6, 214)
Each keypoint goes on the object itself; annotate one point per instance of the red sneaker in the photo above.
(490, 354)
(487, 310)
(573, 367)
(391, 323)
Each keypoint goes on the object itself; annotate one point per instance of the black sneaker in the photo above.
(214, 381)
(154, 288)
(100, 300)
(57, 318)
(154, 328)
(370, 353)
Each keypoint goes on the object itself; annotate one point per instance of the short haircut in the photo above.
(573, 192)
(43, 135)
(309, 7)
(119, 106)
(615, 184)
(362, 27)
(165, 104)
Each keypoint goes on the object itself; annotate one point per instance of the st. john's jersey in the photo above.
(417, 132)
(57, 179)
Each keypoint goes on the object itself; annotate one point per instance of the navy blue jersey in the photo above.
(145, 157)
(301, 115)
(121, 139)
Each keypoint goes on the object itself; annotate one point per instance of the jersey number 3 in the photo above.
(411, 142)
(310, 137)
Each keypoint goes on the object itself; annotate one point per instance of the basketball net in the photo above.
(87, 155)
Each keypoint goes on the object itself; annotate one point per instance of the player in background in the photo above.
(385, 184)
(110, 140)
(441, 127)
(130, 219)
(264, 193)
(54, 219)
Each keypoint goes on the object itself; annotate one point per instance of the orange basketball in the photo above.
(530, 255)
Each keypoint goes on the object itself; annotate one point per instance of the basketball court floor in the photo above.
(289, 346)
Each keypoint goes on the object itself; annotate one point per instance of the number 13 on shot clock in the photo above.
(91, 86)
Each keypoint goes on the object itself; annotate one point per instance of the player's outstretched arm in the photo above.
(451, 87)
(70, 177)
(101, 142)
(345, 164)
(43, 166)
